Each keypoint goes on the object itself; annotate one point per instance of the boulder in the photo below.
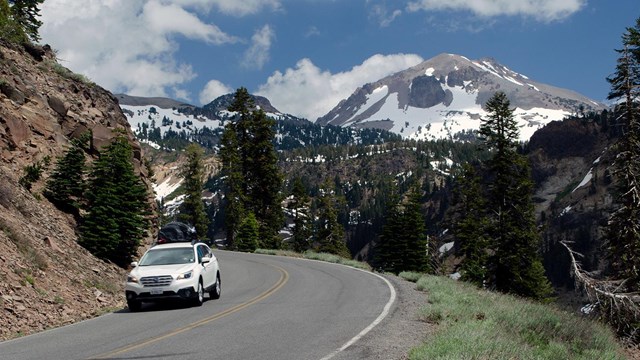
(58, 106)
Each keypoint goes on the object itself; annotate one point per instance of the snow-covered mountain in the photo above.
(443, 96)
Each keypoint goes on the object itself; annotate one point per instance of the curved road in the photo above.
(271, 308)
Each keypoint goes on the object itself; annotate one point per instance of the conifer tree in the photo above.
(247, 238)
(470, 230)
(414, 232)
(518, 264)
(623, 230)
(389, 251)
(192, 210)
(299, 205)
(264, 192)
(329, 232)
(10, 28)
(116, 206)
(256, 168)
(403, 243)
(26, 13)
(66, 185)
(235, 198)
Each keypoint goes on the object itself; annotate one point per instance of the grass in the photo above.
(410, 275)
(66, 73)
(312, 255)
(32, 256)
(476, 324)
(105, 286)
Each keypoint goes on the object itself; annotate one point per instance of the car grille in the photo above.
(156, 281)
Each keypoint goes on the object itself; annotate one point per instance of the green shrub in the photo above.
(410, 275)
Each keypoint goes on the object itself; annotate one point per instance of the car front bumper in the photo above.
(141, 293)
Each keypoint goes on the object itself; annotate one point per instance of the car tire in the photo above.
(199, 299)
(134, 305)
(217, 288)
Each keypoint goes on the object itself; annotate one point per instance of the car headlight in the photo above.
(186, 275)
(132, 279)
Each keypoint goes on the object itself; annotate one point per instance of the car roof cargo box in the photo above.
(176, 232)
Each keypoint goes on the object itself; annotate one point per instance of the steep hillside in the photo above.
(46, 278)
(443, 96)
(571, 163)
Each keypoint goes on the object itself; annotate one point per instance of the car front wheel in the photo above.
(217, 288)
(134, 305)
(199, 299)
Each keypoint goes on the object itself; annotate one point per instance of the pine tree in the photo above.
(26, 13)
(518, 265)
(414, 233)
(329, 232)
(116, 206)
(299, 205)
(66, 185)
(10, 28)
(192, 210)
(247, 238)
(623, 230)
(250, 156)
(470, 230)
(235, 197)
(389, 250)
(264, 193)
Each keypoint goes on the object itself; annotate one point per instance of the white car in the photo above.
(175, 270)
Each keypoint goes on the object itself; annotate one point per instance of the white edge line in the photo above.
(377, 321)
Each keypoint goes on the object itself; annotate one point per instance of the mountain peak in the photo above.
(444, 95)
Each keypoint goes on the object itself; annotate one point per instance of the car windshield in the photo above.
(168, 257)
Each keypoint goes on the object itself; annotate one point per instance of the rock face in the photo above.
(46, 278)
(571, 165)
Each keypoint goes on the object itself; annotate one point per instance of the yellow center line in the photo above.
(284, 277)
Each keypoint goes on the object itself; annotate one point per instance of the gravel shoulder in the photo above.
(399, 332)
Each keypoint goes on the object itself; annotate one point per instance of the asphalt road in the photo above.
(271, 308)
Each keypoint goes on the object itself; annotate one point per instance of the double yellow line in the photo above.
(284, 277)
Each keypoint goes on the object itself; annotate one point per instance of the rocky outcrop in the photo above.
(46, 278)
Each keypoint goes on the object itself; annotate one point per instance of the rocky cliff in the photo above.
(46, 278)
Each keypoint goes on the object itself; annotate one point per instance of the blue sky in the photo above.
(306, 55)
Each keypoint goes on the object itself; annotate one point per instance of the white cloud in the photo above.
(127, 45)
(312, 31)
(382, 15)
(213, 90)
(172, 19)
(541, 10)
(309, 92)
(258, 53)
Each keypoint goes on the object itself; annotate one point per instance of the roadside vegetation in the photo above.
(478, 324)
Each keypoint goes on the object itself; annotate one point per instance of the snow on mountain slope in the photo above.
(444, 96)
(165, 119)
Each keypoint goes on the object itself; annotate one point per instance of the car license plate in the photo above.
(156, 291)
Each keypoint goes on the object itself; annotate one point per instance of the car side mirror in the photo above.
(205, 260)
(134, 264)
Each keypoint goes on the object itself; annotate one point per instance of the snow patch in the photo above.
(446, 247)
(585, 181)
(429, 71)
(167, 187)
